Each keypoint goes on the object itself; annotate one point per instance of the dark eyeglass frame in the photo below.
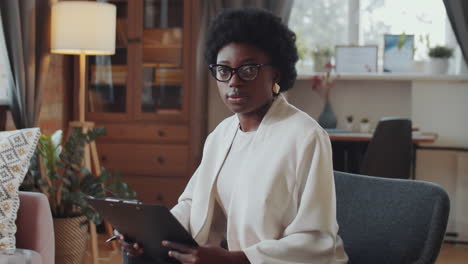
(235, 70)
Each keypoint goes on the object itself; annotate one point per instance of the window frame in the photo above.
(355, 37)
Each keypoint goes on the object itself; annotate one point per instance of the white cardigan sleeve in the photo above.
(311, 237)
(183, 208)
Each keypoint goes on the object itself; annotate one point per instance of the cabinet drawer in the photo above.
(157, 190)
(146, 132)
(145, 159)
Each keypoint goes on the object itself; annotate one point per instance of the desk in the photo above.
(349, 148)
(366, 137)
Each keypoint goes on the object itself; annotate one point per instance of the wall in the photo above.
(371, 99)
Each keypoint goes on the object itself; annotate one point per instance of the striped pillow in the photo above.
(16, 150)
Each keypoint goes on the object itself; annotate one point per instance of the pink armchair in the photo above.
(35, 227)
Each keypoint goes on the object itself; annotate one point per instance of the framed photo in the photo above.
(398, 52)
(356, 59)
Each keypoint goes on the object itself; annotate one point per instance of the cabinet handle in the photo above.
(161, 133)
(161, 160)
(103, 158)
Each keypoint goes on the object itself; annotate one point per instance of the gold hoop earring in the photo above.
(276, 88)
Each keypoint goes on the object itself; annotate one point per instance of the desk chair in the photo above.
(390, 221)
(390, 151)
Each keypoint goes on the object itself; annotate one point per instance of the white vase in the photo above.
(438, 66)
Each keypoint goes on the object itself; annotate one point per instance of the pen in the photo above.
(112, 238)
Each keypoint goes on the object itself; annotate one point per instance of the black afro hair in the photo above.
(260, 28)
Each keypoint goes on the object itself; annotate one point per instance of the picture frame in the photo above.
(356, 59)
(398, 52)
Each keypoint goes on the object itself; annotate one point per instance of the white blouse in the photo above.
(228, 174)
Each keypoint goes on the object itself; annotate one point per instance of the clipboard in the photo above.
(146, 224)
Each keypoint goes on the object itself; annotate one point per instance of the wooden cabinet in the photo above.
(142, 95)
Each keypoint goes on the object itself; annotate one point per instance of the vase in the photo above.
(71, 237)
(327, 118)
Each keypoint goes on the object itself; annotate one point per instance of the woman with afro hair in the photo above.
(264, 191)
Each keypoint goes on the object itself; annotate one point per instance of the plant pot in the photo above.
(438, 66)
(71, 237)
(364, 127)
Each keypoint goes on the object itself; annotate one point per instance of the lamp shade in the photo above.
(83, 27)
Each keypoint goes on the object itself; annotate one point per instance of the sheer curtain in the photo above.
(457, 11)
(26, 31)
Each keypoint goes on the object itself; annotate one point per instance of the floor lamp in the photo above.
(84, 28)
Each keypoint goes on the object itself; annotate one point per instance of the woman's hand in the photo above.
(132, 250)
(204, 254)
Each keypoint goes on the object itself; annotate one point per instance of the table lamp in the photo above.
(84, 28)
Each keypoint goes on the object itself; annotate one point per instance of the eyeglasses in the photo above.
(246, 72)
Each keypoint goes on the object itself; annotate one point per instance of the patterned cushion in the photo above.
(16, 149)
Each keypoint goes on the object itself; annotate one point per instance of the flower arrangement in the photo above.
(321, 58)
(57, 171)
(323, 83)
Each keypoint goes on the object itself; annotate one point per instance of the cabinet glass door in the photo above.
(108, 76)
(162, 75)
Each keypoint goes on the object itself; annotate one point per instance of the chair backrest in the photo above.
(390, 220)
(390, 151)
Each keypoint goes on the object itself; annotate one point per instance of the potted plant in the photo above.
(57, 171)
(349, 123)
(365, 125)
(439, 59)
(421, 65)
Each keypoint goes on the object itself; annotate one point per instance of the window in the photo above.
(319, 25)
(325, 23)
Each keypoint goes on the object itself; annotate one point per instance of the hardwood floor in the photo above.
(453, 254)
(106, 254)
(449, 254)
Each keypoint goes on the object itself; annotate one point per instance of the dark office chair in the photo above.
(390, 151)
(390, 221)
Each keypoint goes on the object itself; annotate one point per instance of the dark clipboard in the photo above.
(146, 224)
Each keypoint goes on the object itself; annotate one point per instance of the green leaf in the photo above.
(401, 40)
